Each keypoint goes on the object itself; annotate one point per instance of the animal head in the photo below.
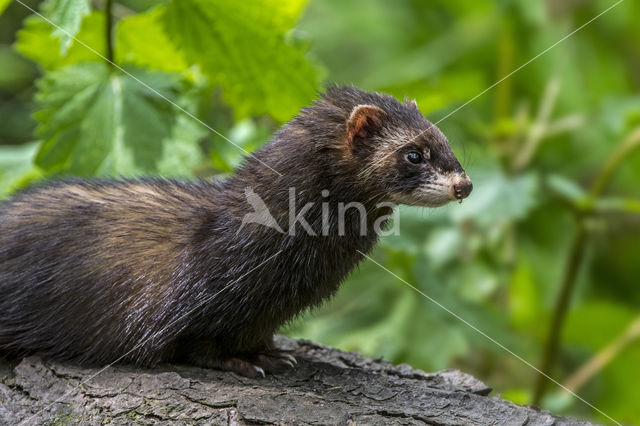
(397, 151)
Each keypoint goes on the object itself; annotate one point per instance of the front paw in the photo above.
(274, 361)
(257, 365)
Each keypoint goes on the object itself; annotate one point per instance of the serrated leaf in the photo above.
(67, 15)
(94, 120)
(285, 13)
(181, 152)
(141, 40)
(35, 42)
(246, 134)
(242, 48)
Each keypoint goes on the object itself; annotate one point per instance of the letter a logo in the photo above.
(261, 214)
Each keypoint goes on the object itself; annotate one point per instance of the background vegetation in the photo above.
(543, 256)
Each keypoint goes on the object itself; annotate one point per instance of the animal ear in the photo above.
(411, 103)
(363, 121)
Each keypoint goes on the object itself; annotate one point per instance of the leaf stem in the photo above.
(623, 150)
(576, 256)
(576, 253)
(540, 127)
(505, 65)
(604, 356)
(109, 31)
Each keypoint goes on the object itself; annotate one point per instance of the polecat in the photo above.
(149, 270)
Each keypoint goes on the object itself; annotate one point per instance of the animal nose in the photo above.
(462, 190)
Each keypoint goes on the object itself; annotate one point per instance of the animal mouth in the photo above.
(433, 197)
(443, 190)
(455, 188)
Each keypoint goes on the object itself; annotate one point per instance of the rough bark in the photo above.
(327, 387)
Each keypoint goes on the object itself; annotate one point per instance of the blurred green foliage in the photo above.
(551, 150)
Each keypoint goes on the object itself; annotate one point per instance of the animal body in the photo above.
(149, 270)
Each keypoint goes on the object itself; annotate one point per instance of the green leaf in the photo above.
(595, 323)
(16, 166)
(498, 198)
(594, 326)
(245, 134)
(67, 16)
(524, 296)
(448, 47)
(243, 48)
(181, 153)
(35, 42)
(474, 282)
(451, 87)
(140, 39)
(443, 245)
(97, 121)
(618, 205)
(566, 188)
(3, 5)
(517, 396)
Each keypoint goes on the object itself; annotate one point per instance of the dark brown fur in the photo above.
(154, 270)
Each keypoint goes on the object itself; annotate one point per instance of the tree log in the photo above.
(326, 387)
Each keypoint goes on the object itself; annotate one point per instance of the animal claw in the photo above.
(293, 359)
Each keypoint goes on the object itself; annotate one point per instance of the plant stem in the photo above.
(576, 255)
(540, 126)
(108, 31)
(505, 65)
(550, 353)
(604, 356)
(623, 150)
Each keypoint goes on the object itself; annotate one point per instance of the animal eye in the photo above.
(414, 157)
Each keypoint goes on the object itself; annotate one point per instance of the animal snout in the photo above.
(462, 189)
